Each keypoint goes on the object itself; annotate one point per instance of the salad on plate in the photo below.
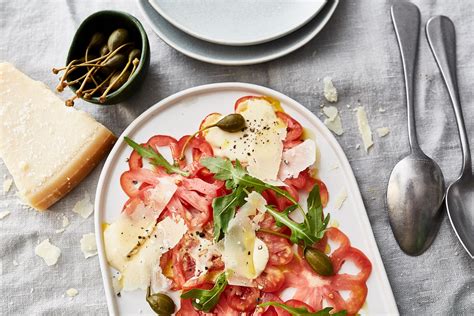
(231, 221)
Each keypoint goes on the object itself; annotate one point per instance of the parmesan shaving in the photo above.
(383, 131)
(364, 128)
(7, 184)
(72, 292)
(84, 207)
(4, 214)
(330, 92)
(65, 222)
(333, 120)
(50, 253)
(88, 245)
(340, 199)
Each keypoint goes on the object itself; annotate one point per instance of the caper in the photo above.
(116, 61)
(231, 123)
(121, 79)
(96, 40)
(134, 53)
(160, 303)
(117, 38)
(104, 50)
(319, 261)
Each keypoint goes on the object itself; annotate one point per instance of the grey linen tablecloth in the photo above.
(357, 49)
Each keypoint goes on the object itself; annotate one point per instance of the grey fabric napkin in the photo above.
(357, 49)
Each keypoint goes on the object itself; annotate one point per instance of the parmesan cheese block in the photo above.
(47, 147)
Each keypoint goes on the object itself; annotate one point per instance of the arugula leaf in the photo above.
(303, 311)
(224, 210)
(316, 223)
(236, 175)
(205, 300)
(155, 157)
(312, 228)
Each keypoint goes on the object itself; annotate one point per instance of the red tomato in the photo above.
(187, 309)
(294, 130)
(165, 141)
(291, 143)
(135, 161)
(296, 303)
(323, 191)
(270, 310)
(131, 180)
(271, 279)
(242, 299)
(312, 288)
(279, 248)
(281, 202)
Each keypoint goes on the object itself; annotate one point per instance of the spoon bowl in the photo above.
(415, 196)
(459, 197)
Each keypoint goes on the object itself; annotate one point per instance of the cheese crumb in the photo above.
(383, 131)
(330, 92)
(65, 221)
(357, 146)
(88, 245)
(364, 128)
(48, 252)
(333, 120)
(15, 263)
(84, 207)
(381, 110)
(7, 184)
(58, 231)
(341, 197)
(4, 214)
(72, 292)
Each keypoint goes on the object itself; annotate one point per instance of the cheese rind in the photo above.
(47, 147)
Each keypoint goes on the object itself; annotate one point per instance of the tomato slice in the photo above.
(281, 202)
(135, 161)
(270, 310)
(312, 288)
(242, 299)
(279, 249)
(273, 102)
(131, 180)
(294, 130)
(187, 309)
(297, 303)
(271, 279)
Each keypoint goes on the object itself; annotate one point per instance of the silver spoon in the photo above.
(415, 189)
(460, 194)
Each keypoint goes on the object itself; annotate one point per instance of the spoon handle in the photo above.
(442, 39)
(406, 21)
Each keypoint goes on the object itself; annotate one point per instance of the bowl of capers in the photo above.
(107, 60)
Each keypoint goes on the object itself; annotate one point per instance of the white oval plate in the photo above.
(181, 114)
(238, 22)
(235, 55)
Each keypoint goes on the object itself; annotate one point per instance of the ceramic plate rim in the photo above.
(213, 88)
(187, 30)
(239, 62)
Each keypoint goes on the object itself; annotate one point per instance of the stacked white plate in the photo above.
(237, 32)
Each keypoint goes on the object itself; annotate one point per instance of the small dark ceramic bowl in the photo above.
(106, 22)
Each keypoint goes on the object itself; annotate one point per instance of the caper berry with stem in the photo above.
(115, 62)
(160, 303)
(230, 123)
(104, 50)
(97, 39)
(318, 261)
(117, 38)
